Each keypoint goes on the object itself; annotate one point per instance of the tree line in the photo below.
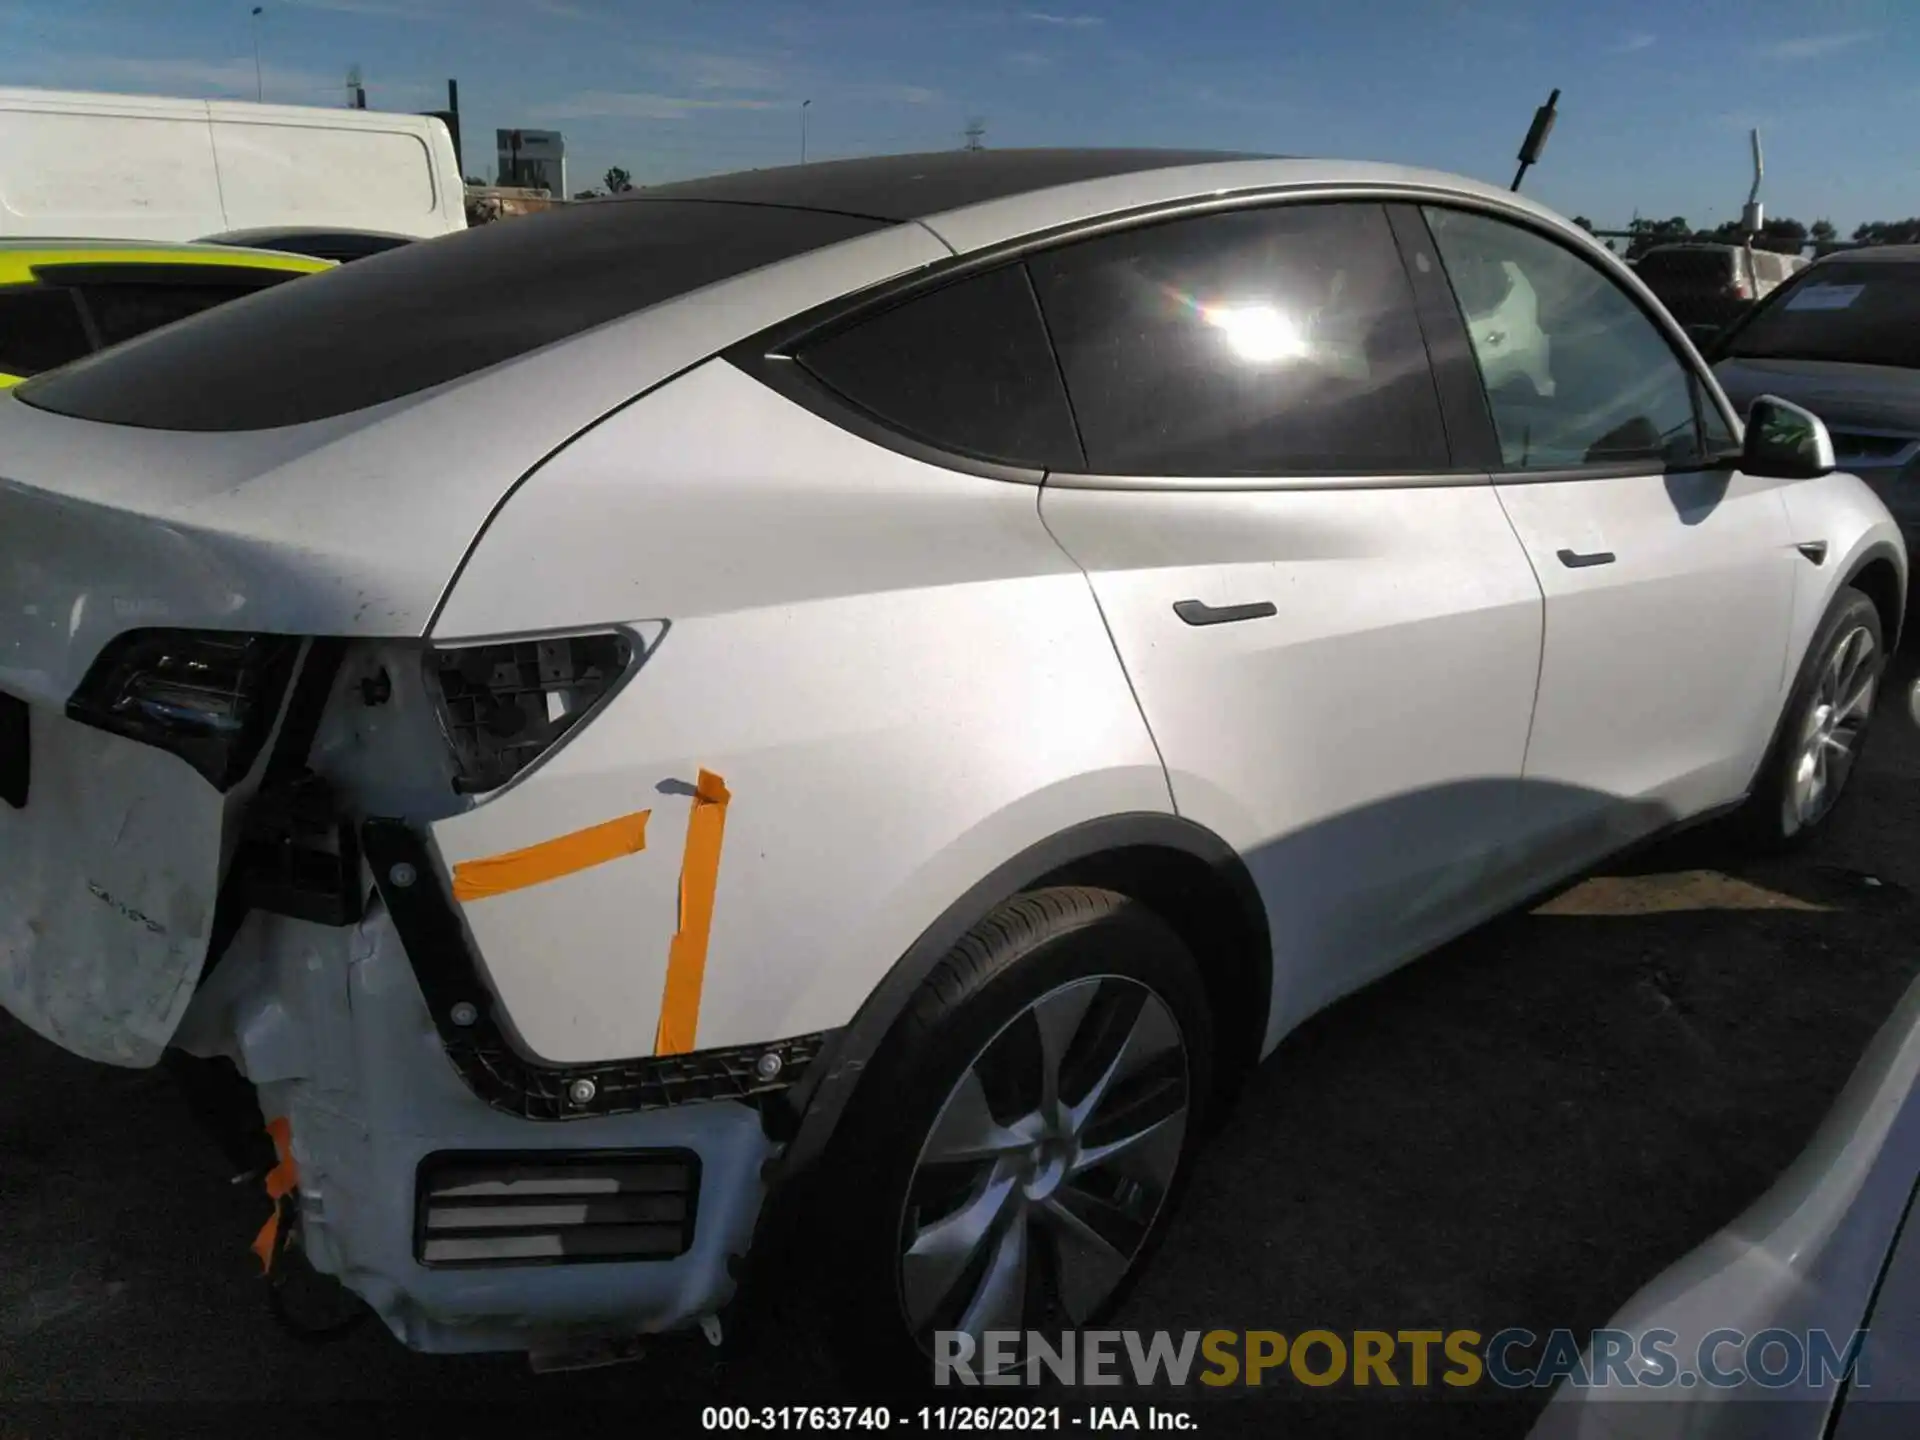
(1782, 233)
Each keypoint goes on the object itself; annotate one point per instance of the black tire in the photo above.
(977, 997)
(1766, 821)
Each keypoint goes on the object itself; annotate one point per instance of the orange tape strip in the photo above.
(687, 956)
(281, 1182)
(550, 859)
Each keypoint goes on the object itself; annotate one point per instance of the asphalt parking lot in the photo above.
(1520, 1130)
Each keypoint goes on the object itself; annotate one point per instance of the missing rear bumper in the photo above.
(415, 896)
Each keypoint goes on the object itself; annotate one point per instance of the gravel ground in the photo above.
(1520, 1130)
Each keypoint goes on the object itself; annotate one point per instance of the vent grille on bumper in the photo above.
(555, 1207)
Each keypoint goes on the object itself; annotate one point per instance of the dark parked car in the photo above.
(1842, 338)
(1711, 285)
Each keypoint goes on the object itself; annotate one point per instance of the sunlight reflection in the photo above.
(1669, 893)
(1258, 333)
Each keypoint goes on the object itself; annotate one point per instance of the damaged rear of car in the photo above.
(237, 754)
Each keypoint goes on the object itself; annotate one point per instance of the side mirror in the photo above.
(1703, 336)
(1785, 442)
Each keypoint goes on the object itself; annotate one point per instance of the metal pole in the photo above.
(259, 89)
(804, 106)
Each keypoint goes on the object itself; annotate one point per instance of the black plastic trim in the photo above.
(1882, 550)
(1574, 560)
(16, 751)
(1472, 441)
(1198, 612)
(437, 948)
(554, 1159)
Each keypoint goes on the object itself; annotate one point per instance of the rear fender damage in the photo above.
(107, 908)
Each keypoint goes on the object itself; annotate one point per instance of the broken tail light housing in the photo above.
(502, 706)
(208, 696)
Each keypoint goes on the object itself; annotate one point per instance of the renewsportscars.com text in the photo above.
(1513, 1359)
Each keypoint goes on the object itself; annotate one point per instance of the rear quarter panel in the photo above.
(900, 677)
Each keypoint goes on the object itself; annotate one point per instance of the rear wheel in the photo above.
(1015, 1149)
(1823, 729)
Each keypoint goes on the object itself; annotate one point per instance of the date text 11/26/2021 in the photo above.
(938, 1419)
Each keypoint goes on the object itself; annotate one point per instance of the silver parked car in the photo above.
(1830, 1254)
(1843, 339)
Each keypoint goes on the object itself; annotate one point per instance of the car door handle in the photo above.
(1574, 560)
(1196, 612)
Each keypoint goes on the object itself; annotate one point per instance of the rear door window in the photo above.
(966, 368)
(1272, 341)
(40, 329)
(424, 314)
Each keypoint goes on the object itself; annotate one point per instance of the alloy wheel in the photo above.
(1047, 1165)
(1835, 725)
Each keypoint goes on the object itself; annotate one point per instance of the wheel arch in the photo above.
(1188, 875)
(1878, 574)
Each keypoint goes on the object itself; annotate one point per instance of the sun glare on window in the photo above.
(1258, 333)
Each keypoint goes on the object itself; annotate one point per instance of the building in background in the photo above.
(533, 159)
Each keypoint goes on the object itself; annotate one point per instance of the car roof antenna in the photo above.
(1536, 140)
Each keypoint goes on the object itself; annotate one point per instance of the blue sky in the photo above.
(1656, 105)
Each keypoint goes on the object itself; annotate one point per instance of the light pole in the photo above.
(258, 89)
(804, 104)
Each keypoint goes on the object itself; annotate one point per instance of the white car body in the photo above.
(925, 682)
(150, 167)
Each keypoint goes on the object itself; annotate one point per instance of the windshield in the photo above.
(1864, 313)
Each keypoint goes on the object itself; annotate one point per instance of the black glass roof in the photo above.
(906, 187)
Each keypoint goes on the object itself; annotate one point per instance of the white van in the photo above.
(135, 167)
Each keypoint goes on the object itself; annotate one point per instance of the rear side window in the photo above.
(39, 329)
(1258, 342)
(966, 368)
(426, 313)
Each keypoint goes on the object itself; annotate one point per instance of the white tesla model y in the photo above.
(872, 691)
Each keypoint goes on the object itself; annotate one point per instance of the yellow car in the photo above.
(62, 299)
